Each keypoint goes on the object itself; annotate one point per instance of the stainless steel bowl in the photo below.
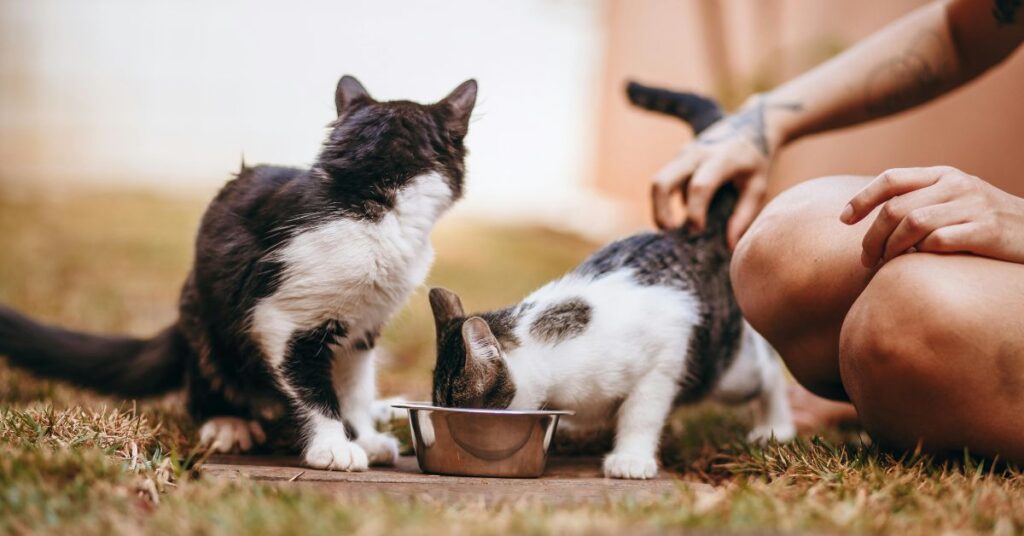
(481, 442)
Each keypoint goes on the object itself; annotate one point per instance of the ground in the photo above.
(73, 461)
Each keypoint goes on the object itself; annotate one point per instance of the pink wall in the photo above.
(979, 128)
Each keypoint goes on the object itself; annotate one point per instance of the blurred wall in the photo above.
(146, 94)
(732, 48)
(169, 95)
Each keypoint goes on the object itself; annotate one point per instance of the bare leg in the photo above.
(812, 414)
(933, 350)
(796, 273)
(928, 348)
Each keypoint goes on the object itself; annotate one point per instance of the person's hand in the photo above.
(737, 148)
(937, 209)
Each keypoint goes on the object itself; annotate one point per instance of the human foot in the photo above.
(812, 413)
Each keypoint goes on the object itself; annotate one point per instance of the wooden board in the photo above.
(567, 480)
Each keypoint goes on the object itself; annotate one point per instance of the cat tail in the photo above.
(112, 365)
(699, 112)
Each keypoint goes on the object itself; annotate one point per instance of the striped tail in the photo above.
(699, 112)
(123, 366)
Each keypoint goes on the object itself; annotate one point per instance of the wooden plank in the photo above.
(567, 480)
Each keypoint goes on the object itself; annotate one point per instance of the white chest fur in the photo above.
(351, 270)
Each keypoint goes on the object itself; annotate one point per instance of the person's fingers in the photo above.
(661, 202)
(918, 224)
(679, 168)
(702, 187)
(668, 182)
(889, 184)
(954, 238)
(747, 206)
(889, 217)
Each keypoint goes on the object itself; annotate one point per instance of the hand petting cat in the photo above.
(738, 149)
(939, 210)
(865, 83)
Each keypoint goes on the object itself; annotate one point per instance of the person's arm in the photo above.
(929, 52)
(924, 54)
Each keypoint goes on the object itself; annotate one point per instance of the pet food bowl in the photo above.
(481, 442)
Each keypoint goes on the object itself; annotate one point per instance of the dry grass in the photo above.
(75, 462)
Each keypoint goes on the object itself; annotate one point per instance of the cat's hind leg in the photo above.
(226, 426)
(231, 434)
(756, 375)
(773, 417)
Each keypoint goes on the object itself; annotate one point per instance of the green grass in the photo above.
(75, 462)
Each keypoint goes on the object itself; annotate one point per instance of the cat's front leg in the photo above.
(640, 421)
(328, 446)
(306, 377)
(355, 383)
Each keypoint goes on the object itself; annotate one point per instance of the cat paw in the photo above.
(763, 433)
(230, 434)
(381, 449)
(630, 466)
(341, 455)
(382, 411)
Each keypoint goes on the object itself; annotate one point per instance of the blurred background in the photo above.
(119, 119)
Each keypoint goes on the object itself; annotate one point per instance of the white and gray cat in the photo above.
(644, 324)
(296, 271)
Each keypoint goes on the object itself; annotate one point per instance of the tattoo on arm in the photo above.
(908, 79)
(750, 123)
(1005, 11)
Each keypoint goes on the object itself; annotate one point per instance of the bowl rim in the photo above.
(480, 411)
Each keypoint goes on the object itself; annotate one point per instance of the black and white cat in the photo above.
(296, 271)
(644, 324)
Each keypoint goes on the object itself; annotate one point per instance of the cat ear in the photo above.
(480, 342)
(349, 91)
(460, 104)
(446, 306)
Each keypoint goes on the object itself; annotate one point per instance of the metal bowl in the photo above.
(481, 442)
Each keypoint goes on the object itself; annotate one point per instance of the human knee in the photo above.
(908, 310)
(763, 274)
(773, 270)
(887, 346)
